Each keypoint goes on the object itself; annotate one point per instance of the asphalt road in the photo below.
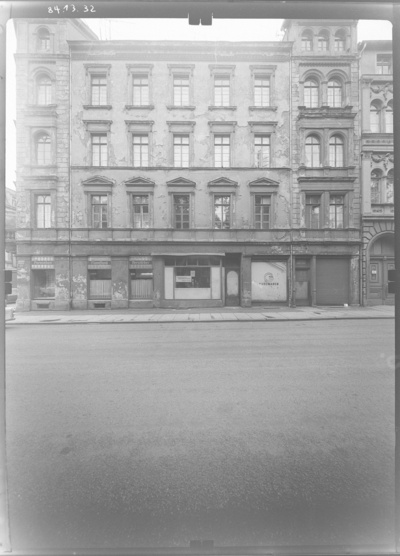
(246, 434)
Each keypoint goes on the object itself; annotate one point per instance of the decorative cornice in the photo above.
(264, 182)
(222, 182)
(139, 182)
(181, 182)
(98, 180)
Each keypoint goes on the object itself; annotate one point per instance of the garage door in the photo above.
(332, 281)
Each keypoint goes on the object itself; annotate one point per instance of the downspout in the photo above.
(69, 183)
(292, 290)
(361, 184)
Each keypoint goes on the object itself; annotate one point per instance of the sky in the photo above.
(162, 29)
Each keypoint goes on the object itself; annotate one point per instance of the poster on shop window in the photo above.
(268, 281)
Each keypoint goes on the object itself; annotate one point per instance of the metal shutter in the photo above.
(332, 281)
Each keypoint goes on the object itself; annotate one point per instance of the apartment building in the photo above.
(190, 174)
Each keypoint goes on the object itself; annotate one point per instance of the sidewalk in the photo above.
(220, 314)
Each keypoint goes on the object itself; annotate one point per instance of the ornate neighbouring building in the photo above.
(376, 88)
(181, 174)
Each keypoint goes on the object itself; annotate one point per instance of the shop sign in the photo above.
(268, 281)
(140, 262)
(42, 262)
(97, 263)
(183, 278)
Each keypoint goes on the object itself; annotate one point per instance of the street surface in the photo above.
(247, 434)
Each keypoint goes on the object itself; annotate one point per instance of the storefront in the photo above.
(269, 281)
(193, 279)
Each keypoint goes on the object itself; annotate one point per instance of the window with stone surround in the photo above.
(98, 89)
(262, 212)
(222, 211)
(44, 89)
(336, 211)
(181, 211)
(340, 41)
(99, 211)
(313, 151)
(99, 149)
(43, 149)
(336, 151)
(43, 211)
(140, 211)
(313, 208)
(43, 43)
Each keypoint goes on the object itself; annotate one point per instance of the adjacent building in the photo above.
(185, 174)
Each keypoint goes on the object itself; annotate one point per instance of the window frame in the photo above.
(140, 194)
(102, 88)
(310, 99)
(384, 61)
(143, 155)
(216, 195)
(269, 196)
(336, 205)
(135, 71)
(176, 135)
(39, 40)
(333, 144)
(174, 195)
(221, 135)
(48, 91)
(339, 41)
(307, 39)
(98, 134)
(45, 158)
(226, 72)
(375, 126)
(320, 151)
(97, 70)
(308, 213)
(262, 136)
(323, 37)
(34, 273)
(332, 99)
(46, 219)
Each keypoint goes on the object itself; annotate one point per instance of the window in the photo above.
(262, 90)
(43, 40)
(311, 94)
(98, 87)
(99, 211)
(44, 90)
(376, 178)
(389, 118)
(221, 151)
(43, 283)
(340, 41)
(336, 151)
(313, 205)
(262, 207)
(222, 212)
(43, 149)
(140, 211)
(140, 88)
(181, 211)
(221, 90)
(141, 283)
(262, 151)
(43, 211)
(181, 90)
(334, 93)
(389, 187)
(313, 151)
(100, 283)
(99, 150)
(384, 64)
(181, 151)
(140, 150)
(323, 41)
(336, 211)
(375, 117)
(306, 41)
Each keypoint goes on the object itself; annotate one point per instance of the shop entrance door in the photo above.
(232, 280)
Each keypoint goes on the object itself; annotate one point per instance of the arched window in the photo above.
(311, 94)
(313, 151)
(43, 149)
(43, 88)
(376, 179)
(43, 40)
(306, 41)
(375, 117)
(323, 41)
(334, 93)
(389, 187)
(336, 151)
(340, 41)
(389, 117)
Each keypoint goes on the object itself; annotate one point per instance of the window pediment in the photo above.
(222, 182)
(181, 182)
(97, 181)
(264, 182)
(139, 182)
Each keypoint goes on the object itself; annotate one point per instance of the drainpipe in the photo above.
(292, 288)
(69, 184)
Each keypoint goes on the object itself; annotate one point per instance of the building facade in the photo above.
(180, 174)
(376, 84)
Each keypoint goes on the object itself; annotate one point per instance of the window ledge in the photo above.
(274, 108)
(222, 107)
(139, 106)
(42, 106)
(97, 106)
(185, 107)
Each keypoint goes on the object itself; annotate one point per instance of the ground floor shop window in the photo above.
(193, 277)
(141, 283)
(43, 283)
(100, 284)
